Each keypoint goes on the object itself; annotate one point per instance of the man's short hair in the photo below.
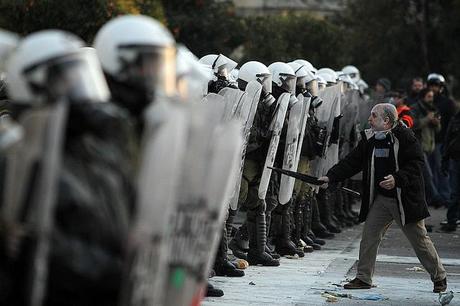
(417, 79)
(389, 111)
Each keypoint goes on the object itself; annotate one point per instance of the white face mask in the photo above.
(380, 135)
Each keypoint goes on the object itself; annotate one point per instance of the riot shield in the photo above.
(245, 112)
(32, 172)
(276, 126)
(208, 172)
(326, 113)
(305, 115)
(349, 123)
(163, 148)
(234, 99)
(290, 162)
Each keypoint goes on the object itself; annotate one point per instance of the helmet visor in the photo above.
(288, 82)
(266, 80)
(77, 77)
(148, 67)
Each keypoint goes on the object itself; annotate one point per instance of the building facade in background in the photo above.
(317, 8)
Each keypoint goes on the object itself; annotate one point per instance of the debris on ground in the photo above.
(329, 298)
(333, 296)
(369, 297)
(240, 264)
(416, 269)
(252, 283)
(446, 297)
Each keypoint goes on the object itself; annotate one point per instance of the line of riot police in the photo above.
(124, 166)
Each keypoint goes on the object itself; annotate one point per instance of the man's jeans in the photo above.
(431, 192)
(454, 202)
(381, 215)
(440, 181)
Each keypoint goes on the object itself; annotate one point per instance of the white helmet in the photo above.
(303, 74)
(321, 82)
(8, 41)
(307, 64)
(192, 77)
(353, 72)
(256, 71)
(283, 76)
(50, 65)
(328, 75)
(233, 76)
(138, 50)
(220, 64)
(436, 78)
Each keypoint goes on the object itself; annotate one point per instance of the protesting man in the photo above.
(391, 160)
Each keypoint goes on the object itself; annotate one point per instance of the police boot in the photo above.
(231, 230)
(307, 225)
(257, 230)
(283, 243)
(300, 225)
(315, 239)
(222, 266)
(257, 242)
(270, 248)
(317, 227)
(325, 211)
(240, 243)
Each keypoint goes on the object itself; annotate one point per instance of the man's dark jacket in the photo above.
(408, 176)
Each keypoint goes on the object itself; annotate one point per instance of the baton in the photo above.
(311, 180)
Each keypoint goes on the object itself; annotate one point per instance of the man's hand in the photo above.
(430, 115)
(435, 121)
(388, 183)
(324, 179)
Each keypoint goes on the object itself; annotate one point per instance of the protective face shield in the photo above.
(328, 75)
(353, 72)
(283, 76)
(288, 82)
(8, 41)
(256, 71)
(220, 64)
(266, 81)
(192, 77)
(307, 65)
(76, 77)
(50, 65)
(321, 82)
(303, 76)
(148, 67)
(138, 51)
(312, 87)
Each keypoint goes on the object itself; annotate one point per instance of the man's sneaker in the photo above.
(440, 286)
(357, 284)
(449, 228)
(444, 222)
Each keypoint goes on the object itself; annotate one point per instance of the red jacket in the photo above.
(405, 116)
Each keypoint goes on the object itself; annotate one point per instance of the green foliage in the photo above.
(402, 39)
(81, 17)
(397, 39)
(286, 38)
(204, 26)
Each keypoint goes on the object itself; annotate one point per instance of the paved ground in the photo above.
(302, 282)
